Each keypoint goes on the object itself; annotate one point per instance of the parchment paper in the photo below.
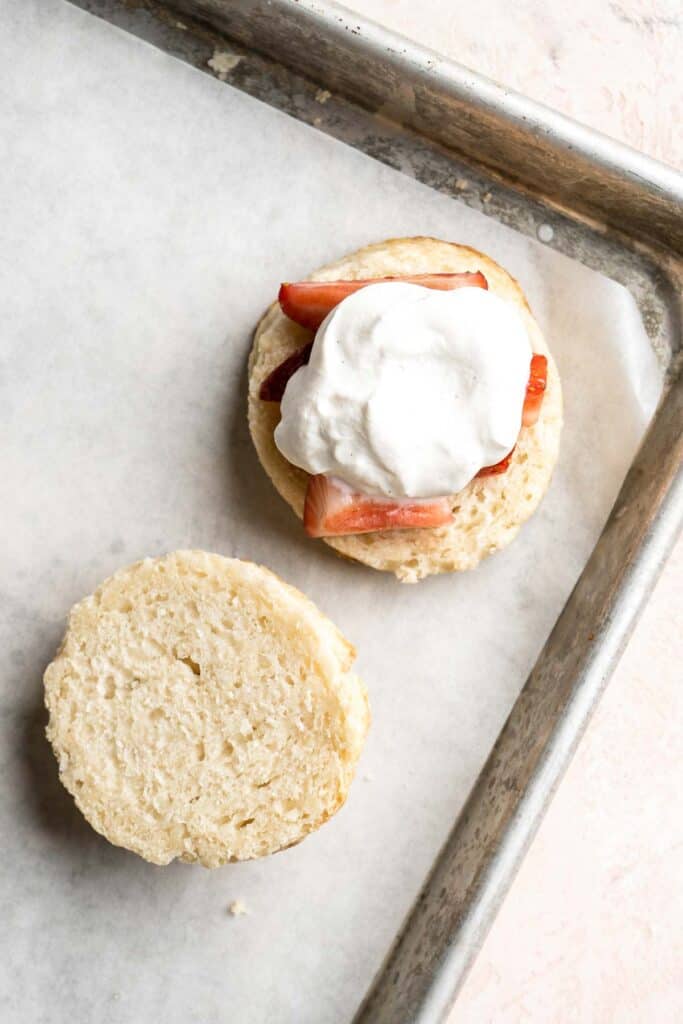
(149, 213)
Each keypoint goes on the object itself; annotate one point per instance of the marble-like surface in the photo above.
(592, 930)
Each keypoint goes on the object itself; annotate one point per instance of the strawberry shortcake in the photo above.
(404, 403)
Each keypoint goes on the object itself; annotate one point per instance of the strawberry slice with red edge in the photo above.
(533, 399)
(497, 467)
(309, 302)
(535, 390)
(273, 387)
(333, 509)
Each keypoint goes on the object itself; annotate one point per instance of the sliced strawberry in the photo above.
(533, 399)
(535, 389)
(332, 509)
(497, 467)
(273, 387)
(309, 302)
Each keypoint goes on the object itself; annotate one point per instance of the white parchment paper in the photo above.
(149, 213)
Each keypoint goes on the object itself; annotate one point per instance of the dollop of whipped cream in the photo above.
(409, 392)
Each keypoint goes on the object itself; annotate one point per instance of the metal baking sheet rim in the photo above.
(591, 176)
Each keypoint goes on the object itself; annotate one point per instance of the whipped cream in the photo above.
(409, 392)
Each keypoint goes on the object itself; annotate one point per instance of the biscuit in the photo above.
(488, 512)
(202, 709)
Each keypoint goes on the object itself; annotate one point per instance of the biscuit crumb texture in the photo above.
(238, 909)
(488, 512)
(202, 709)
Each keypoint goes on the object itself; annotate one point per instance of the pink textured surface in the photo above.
(592, 929)
(615, 66)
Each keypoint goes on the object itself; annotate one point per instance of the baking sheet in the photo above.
(148, 215)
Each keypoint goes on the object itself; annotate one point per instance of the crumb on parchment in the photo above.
(237, 908)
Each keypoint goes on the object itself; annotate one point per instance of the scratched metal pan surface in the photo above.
(595, 201)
